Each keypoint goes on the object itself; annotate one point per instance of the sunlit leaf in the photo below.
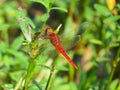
(37, 84)
(111, 19)
(3, 47)
(8, 86)
(17, 43)
(114, 45)
(7, 61)
(118, 6)
(61, 68)
(45, 3)
(16, 75)
(89, 13)
(69, 32)
(4, 26)
(29, 21)
(25, 24)
(44, 17)
(73, 86)
(102, 59)
(96, 41)
(59, 8)
(114, 84)
(52, 1)
(102, 9)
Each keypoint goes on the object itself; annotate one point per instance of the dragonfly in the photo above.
(55, 40)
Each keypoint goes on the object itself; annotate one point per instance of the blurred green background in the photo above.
(90, 34)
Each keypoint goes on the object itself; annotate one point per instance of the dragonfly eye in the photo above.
(48, 30)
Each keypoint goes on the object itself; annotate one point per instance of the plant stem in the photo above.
(31, 67)
(115, 63)
(6, 37)
(19, 83)
(71, 73)
(51, 72)
(47, 13)
(72, 7)
(37, 84)
(42, 29)
(43, 25)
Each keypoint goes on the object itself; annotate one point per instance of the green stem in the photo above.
(51, 72)
(43, 25)
(115, 63)
(29, 75)
(72, 6)
(5, 33)
(110, 78)
(48, 11)
(71, 73)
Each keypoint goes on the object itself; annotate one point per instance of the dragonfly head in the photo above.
(49, 30)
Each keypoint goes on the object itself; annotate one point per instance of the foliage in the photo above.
(90, 34)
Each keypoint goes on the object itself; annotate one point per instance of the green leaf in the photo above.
(7, 61)
(4, 26)
(73, 86)
(45, 3)
(25, 24)
(29, 21)
(118, 6)
(95, 41)
(61, 68)
(16, 75)
(59, 8)
(7, 86)
(69, 32)
(3, 47)
(63, 86)
(111, 19)
(44, 17)
(101, 9)
(16, 54)
(114, 45)
(0, 56)
(61, 3)
(17, 43)
(114, 84)
(20, 14)
(89, 13)
(83, 79)
(102, 59)
(118, 88)
(52, 1)
(26, 30)
(37, 84)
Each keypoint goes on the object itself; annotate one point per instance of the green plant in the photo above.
(34, 47)
(90, 35)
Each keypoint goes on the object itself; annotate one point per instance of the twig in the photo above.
(19, 83)
(51, 72)
(115, 63)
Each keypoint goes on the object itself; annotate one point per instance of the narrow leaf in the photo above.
(111, 19)
(61, 68)
(73, 86)
(17, 43)
(44, 17)
(96, 41)
(43, 2)
(37, 84)
(4, 26)
(59, 8)
(102, 9)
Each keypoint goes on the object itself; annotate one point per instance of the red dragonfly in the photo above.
(55, 40)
